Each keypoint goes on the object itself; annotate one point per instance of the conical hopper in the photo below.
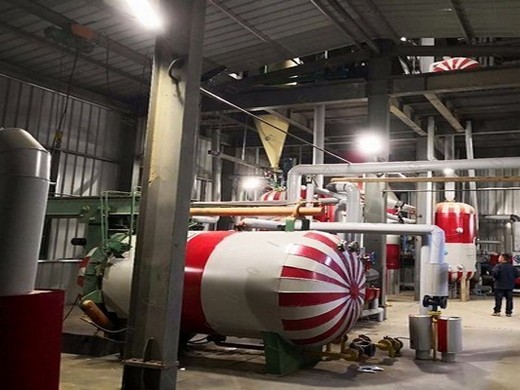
(272, 138)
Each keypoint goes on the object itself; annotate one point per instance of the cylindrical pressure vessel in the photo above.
(24, 184)
(458, 220)
(296, 284)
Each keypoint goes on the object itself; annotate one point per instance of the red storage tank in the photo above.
(296, 284)
(458, 220)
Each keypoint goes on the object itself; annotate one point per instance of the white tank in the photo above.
(299, 285)
(24, 185)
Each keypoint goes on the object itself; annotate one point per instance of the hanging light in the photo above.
(145, 13)
(370, 144)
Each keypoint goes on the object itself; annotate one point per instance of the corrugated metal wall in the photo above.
(92, 137)
(497, 199)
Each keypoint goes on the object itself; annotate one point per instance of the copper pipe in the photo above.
(96, 315)
(257, 211)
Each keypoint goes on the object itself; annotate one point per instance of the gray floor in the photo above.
(491, 360)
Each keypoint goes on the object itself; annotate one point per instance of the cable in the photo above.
(71, 308)
(221, 99)
(56, 142)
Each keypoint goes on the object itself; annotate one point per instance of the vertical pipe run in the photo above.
(468, 136)
(319, 140)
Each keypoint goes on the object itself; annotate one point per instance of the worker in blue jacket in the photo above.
(504, 274)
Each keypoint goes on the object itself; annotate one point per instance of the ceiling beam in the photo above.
(284, 75)
(463, 20)
(37, 9)
(455, 81)
(71, 52)
(351, 18)
(16, 72)
(304, 95)
(445, 110)
(345, 30)
(455, 50)
(405, 114)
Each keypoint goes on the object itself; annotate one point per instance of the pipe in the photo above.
(434, 270)
(201, 219)
(295, 174)
(394, 217)
(505, 217)
(261, 211)
(392, 203)
(350, 204)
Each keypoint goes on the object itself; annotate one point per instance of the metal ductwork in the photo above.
(24, 185)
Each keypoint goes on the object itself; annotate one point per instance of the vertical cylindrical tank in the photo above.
(420, 327)
(458, 220)
(299, 285)
(24, 184)
(449, 337)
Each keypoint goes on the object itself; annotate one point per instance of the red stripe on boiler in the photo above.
(325, 335)
(198, 251)
(312, 322)
(323, 239)
(317, 255)
(295, 299)
(299, 273)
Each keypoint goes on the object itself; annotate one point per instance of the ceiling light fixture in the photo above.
(147, 15)
(370, 144)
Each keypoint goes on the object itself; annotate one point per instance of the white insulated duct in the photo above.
(24, 184)
(434, 270)
(295, 174)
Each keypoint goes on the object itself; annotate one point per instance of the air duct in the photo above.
(24, 184)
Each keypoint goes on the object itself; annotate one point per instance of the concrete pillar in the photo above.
(157, 284)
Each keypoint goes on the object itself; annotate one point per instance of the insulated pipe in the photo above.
(434, 270)
(391, 203)
(506, 217)
(394, 217)
(24, 185)
(295, 174)
(350, 205)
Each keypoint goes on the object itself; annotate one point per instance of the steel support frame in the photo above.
(157, 284)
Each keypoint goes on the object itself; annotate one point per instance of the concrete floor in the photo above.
(491, 360)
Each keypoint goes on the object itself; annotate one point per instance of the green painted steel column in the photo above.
(151, 349)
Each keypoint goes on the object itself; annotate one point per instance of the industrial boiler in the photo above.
(304, 286)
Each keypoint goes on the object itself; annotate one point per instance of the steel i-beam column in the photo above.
(157, 284)
(425, 197)
(319, 139)
(379, 69)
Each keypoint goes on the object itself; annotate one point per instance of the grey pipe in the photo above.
(505, 217)
(295, 174)
(434, 269)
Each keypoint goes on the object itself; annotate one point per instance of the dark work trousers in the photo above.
(499, 294)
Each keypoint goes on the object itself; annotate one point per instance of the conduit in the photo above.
(434, 270)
